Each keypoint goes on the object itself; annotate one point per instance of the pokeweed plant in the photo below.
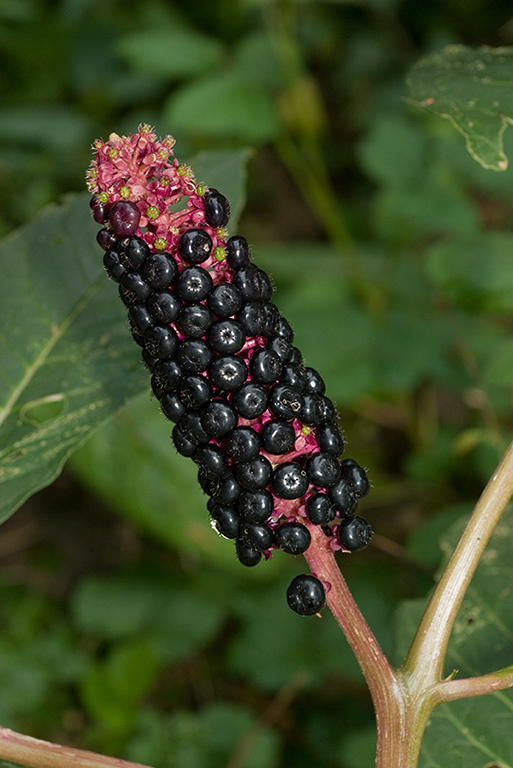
(256, 421)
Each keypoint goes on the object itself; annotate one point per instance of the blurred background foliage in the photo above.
(126, 625)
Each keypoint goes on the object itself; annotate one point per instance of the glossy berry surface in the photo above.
(228, 372)
(238, 253)
(124, 218)
(194, 355)
(226, 521)
(226, 337)
(217, 209)
(250, 400)
(164, 307)
(194, 284)
(159, 270)
(194, 390)
(133, 251)
(306, 595)
(357, 475)
(257, 535)
(255, 474)
(160, 341)
(210, 459)
(265, 366)
(323, 469)
(278, 437)
(293, 538)
(194, 320)
(224, 300)
(320, 510)
(195, 246)
(255, 506)
(218, 418)
(290, 481)
(354, 533)
(246, 554)
(243, 444)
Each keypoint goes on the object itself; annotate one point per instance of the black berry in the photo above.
(133, 289)
(224, 300)
(354, 533)
(265, 366)
(194, 320)
(210, 460)
(226, 337)
(306, 595)
(217, 209)
(250, 400)
(253, 284)
(323, 469)
(257, 535)
(330, 439)
(106, 239)
(132, 252)
(226, 521)
(285, 401)
(113, 265)
(194, 284)
(218, 418)
(161, 341)
(320, 510)
(194, 355)
(254, 475)
(195, 246)
(228, 372)
(278, 437)
(343, 496)
(164, 307)
(247, 555)
(293, 538)
(238, 253)
(242, 444)
(159, 270)
(290, 481)
(194, 390)
(255, 506)
(357, 475)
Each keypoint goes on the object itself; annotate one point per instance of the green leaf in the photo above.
(174, 52)
(225, 170)
(475, 272)
(67, 362)
(473, 88)
(474, 732)
(223, 106)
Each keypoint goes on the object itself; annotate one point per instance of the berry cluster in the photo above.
(223, 364)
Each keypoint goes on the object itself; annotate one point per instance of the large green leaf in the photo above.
(67, 362)
(473, 88)
(475, 732)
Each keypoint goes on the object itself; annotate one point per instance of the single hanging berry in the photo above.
(242, 404)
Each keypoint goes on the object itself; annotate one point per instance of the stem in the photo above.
(423, 666)
(35, 753)
(450, 690)
(385, 687)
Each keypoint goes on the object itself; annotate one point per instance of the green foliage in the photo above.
(458, 733)
(471, 88)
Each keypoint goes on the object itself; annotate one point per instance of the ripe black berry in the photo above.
(172, 407)
(224, 300)
(168, 373)
(164, 307)
(194, 284)
(238, 254)
(285, 401)
(247, 555)
(250, 400)
(106, 239)
(312, 409)
(354, 533)
(226, 489)
(265, 366)
(357, 475)
(290, 481)
(281, 347)
(322, 469)
(254, 475)
(306, 595)
(283, 329)
(192, 428)
(218, 418)
(226, 337)
(195, 246)
(210, 460)
(113, 265)
(161, 341)
(293, 538)
(133, 289)
(124, 218)
(140, 318)
(278, 437)
(257, 535)
(228, 372)
(252, 317)
(253, 284)
(293, 375)
(225, 520)
(183, 445)
(159, 270)
(194, 320)
(320, 510)
(343, 496)
(194, 355)
(99, 211)
(242, 444)
(217, 209)
(132, 252)
(255, 506)
(314, 381)
(194, 391)
(330, 439)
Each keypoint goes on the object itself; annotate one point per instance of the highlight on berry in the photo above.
(245, 407)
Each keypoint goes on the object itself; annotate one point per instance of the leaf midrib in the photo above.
(55, 337)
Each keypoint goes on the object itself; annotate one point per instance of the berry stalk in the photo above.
(245, 407)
